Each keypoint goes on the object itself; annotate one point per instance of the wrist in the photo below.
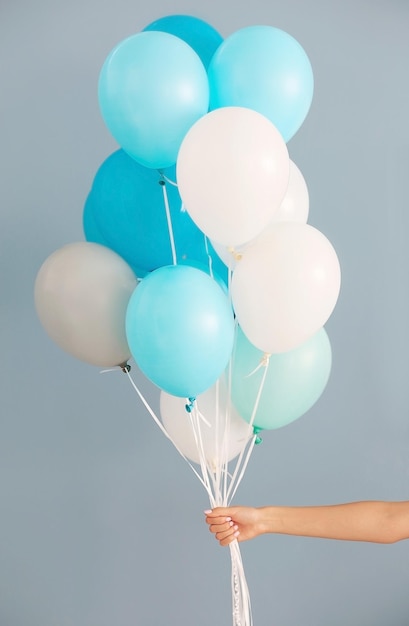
(267, 519)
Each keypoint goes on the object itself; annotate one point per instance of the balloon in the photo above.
(294, 380)
(180, 329)
(229, 255)
(286, 286)
(90, 227)
(265, 69)
(293, 208)
(128, 207)
(81, 295)
(224, 434)
(152, 88)
(202, 37)
(93, 233)
(296, 202)
(232, 171)
(209, 268)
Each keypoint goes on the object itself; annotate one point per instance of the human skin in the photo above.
(370, 520)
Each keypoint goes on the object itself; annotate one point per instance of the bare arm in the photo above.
(373, 521)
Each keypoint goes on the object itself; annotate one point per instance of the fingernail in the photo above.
(228, 519)
(237, 533)
(231, 523)
(236, 527)
(208, 511)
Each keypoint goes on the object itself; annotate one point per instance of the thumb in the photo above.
(219, 511)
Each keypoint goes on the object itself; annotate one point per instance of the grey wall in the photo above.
(101, 522)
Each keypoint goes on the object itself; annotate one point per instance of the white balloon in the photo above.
(223, 436)
(294, 208)
(81, 294)
(296, 202)
(286, 286)
(232, 172)
(228, 255)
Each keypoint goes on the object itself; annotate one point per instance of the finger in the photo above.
(218, 520)
(218, 528)
(224, 534)
(227, 540)
(219, 511)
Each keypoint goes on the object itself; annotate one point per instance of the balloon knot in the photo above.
(125, 367)
(189, 407)
(256, 431)
(264, 361)
(236, 255)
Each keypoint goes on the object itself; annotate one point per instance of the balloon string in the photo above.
(171, 182)
(211, 481)
(164, 431)
(236, 481)
(218, 441)
(204, 420)
(222, 446)
(229, 389)
(209, 256)
(197, 434)
(210, 472)
(169, 220)
(240, 593)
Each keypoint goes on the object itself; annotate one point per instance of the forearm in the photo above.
(374, 521)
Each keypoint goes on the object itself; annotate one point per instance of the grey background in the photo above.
(101, 522)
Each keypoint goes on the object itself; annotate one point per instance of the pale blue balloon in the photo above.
(265, 69)
(180, 329)
(152, 88)
(200, 35)
(294, 381)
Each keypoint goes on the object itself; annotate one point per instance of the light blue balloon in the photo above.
(265, 69)
(202, 37)
(180, 329)
(126, 210)
(294, 381)
(152, 88)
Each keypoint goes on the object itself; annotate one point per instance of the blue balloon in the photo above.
(294, 380)
(265, 69)
(180, 329)
(152, 88)
(90, 227)
(202, 37)
(93, 234)
(128, 210)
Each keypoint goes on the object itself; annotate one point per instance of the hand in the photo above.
(236, 522)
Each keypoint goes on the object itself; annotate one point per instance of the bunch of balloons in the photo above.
(198, 260)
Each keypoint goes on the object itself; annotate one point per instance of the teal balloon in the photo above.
(265, 69)
(152, 88)
(126, 210)
(93, 234)
(294, 381)
(90, 227)
(202, 37)
(180, 329)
